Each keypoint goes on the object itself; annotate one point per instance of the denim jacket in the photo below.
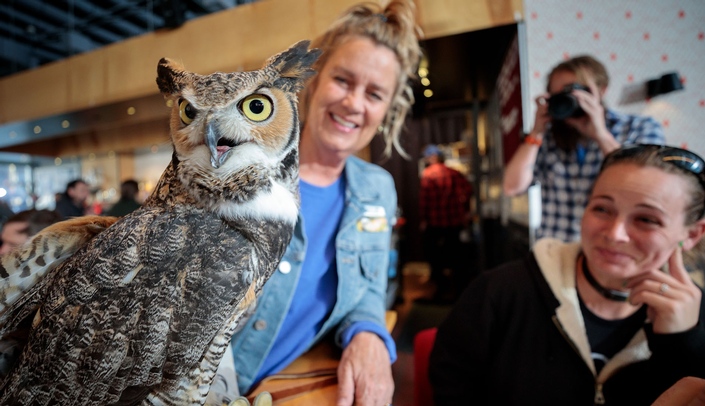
(362, 256)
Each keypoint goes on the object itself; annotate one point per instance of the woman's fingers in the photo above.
(658, 290)
(676, 267)
(674, 305)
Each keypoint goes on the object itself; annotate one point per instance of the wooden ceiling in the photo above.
(110, 102)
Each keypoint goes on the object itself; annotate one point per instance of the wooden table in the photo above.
(311, 379)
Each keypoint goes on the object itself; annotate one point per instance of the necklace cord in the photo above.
(611, 294)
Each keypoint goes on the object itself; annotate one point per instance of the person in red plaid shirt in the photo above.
(444, 207)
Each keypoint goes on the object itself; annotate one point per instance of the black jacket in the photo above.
(516, 337)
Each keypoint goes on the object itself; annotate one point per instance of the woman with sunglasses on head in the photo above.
(613, 319)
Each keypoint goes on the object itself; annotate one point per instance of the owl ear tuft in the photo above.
(170, 76)
(294, 65)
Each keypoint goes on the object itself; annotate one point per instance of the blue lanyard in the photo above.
(580, 151)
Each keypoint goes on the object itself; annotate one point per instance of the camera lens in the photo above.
(562, 106)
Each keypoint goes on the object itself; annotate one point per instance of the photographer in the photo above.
(572, 133)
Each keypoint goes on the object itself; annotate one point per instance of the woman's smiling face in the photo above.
(352, 94)
(633, 221)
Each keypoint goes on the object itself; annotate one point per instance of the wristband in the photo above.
(530, 139)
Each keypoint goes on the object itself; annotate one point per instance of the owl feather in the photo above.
(143, 311)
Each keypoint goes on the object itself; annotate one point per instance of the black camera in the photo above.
(564, 105)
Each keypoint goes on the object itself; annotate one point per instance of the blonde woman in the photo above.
(332, 280)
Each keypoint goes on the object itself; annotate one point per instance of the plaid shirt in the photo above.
(444, 198)
(566, 179)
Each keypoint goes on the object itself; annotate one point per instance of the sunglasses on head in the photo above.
(682, 158)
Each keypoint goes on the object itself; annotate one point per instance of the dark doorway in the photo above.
(462, 71)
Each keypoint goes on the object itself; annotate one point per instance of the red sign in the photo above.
(509, 88)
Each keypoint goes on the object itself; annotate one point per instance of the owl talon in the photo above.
(240, 401)
(263, 399)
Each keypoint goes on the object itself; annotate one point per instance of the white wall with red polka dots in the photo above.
(637, 40)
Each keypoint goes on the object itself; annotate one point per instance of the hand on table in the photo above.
(364, 372)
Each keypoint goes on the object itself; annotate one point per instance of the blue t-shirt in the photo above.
(315, 295)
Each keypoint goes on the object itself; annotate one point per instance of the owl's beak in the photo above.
(218, 146)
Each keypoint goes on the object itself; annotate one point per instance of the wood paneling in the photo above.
(439, 18)
(118, 140)
(239, 38)
(126, 166)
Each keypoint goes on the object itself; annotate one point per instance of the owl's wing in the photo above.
(136, 308)
(24, 267)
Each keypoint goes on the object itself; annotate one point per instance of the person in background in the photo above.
(332, 280)
(573, 131)
(128, 199)
(444, 211)
(72, 202)
(17, 230)
(613, 319)
(23, 225)
(5, 212)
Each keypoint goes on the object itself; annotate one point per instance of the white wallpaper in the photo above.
(637, 40)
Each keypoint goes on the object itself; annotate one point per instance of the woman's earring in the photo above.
(680, 244)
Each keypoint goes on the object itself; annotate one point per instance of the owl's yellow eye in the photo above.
(256, 107)
(186, 112)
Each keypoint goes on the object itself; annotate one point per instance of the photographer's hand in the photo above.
(542, 117)
(519, 171)
(592, 125)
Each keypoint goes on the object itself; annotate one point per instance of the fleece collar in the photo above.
(557, 262)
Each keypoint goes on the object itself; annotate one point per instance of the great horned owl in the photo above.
(144, 311)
